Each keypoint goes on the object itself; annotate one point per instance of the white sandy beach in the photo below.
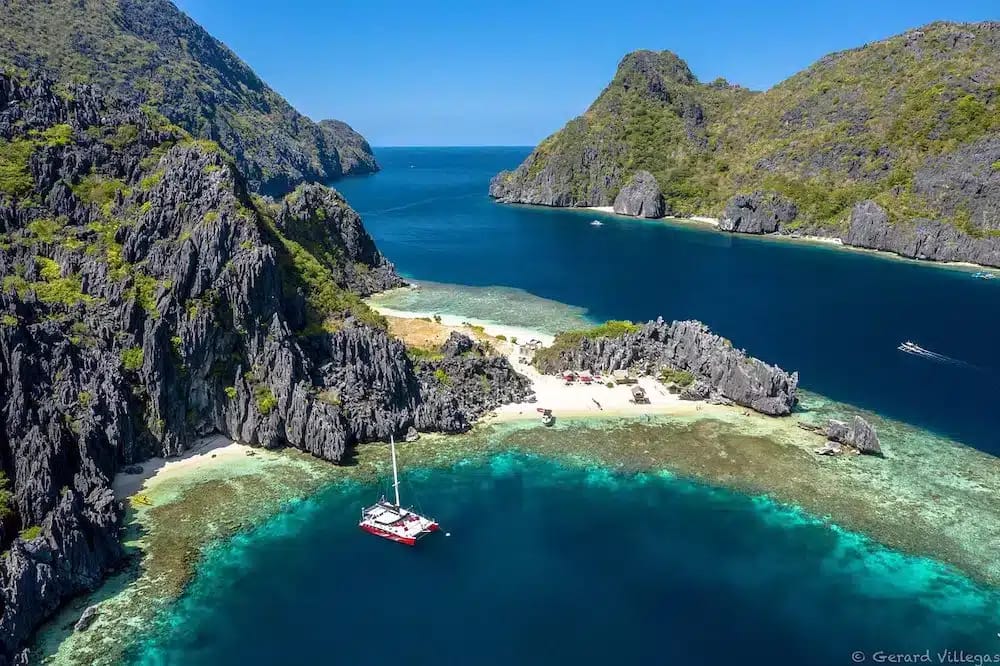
(215, 449)
(596, 399)
(610, 210)
(552, 392)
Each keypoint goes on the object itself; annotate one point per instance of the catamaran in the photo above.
(392, 521)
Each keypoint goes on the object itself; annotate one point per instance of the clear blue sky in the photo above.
(428, 72)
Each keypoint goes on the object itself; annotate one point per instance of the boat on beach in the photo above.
(390, 520)
(548, 418)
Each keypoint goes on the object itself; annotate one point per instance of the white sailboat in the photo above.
(392, 521)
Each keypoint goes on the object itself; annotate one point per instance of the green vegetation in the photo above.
(29, 533)
(311, 266)
(231, 392)
(6, 498)
(58, 135)
(679, 377)
(150, 51)
(99, 190)
(266, 402)
(856, 125)
(8, 319)
(424, 354)
(15, 178)
(569, 339)
(84, 398)
(442, 377)
(132, 358)
(46, 230)
(150, 181)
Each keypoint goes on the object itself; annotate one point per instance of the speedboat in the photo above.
(597, 223)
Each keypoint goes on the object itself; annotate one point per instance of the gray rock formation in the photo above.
(918, 239)
(641, 197)
(689, 346)
(87, 618)
(188, 76)
(147, 300)
(858, 433)
(757, 213)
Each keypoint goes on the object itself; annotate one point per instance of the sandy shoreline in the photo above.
(215, 449)
(572, 400)
(610, 210)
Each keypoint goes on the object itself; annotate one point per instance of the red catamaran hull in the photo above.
(409, 541)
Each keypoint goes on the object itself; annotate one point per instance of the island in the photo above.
(893, 146)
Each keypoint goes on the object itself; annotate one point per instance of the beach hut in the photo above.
(622, 377)
(639, 395)
(586, 378)
(569, 377)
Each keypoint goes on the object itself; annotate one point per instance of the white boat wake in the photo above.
(917, 350)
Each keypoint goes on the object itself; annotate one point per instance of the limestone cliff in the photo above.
(708, 362)
(146, 300)
(149, 52)
(910, 123)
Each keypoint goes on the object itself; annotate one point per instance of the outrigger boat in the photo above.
(392, 521)
(548, 419)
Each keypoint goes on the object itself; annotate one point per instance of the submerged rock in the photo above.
(641, 197)
(86, 619)
(719, 368)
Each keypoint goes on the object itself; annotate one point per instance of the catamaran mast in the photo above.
(395, 474)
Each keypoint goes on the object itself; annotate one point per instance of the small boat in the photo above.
(392, 521)
(597, 223)
(983, 275)
(548, 418)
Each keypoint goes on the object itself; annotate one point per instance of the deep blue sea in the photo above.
(548, 564)
(837, 316)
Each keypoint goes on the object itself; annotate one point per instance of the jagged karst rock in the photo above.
(641, 197)
(757, 213)
(148, 300)
(192, 78)
(858, 433)
(829, 137)
(871, 228)
(689, 346)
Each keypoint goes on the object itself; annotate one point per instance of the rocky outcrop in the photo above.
(689, 346)
(150, 52)
(319, 218)
(808, 150)
(148, 300)
(641, 197)
(757, 213)
(858, 434)
(871, 228)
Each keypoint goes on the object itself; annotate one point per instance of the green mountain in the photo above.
(908, 126)
(149, 52)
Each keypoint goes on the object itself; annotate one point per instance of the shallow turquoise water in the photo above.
(835, 315)
(554, 565)
(548, 564)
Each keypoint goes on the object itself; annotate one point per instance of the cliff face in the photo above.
(148, 300)
(149, 52)
(654, 116)
(716, 368)
(911, 123)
